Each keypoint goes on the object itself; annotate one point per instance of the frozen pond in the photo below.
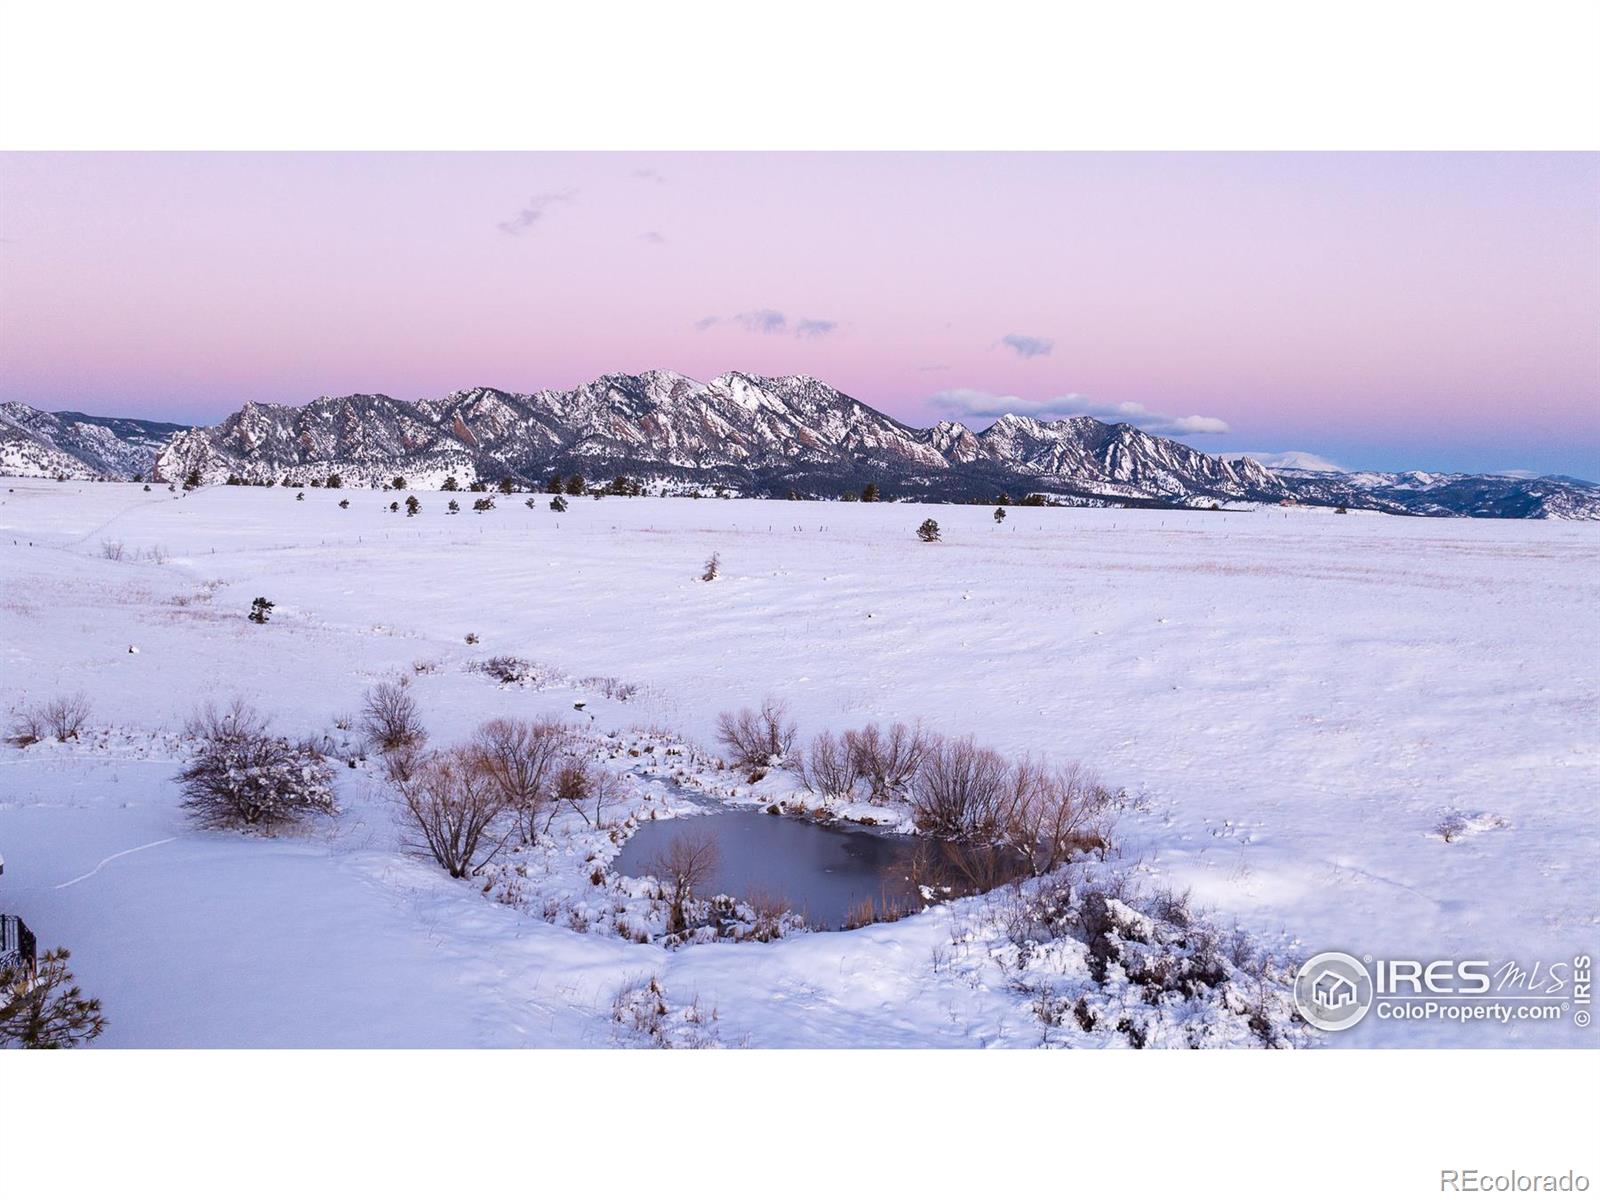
(820, 871)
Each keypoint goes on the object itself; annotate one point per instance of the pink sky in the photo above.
(1430, 311)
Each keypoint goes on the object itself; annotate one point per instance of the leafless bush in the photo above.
(27, 727)
(1054, 815)
(506, 669)
(115, 551)
(1450, 826)
(391, 720)
(243, 777)
(574, 780)
(65, 716)
(611, 687)
(962, 790)
(758, 739)
(685, 866)
(829, 767)
(868, 912)
(888, 760)
(455, 810)
(62, 718)
(520, 759)
(155, 554)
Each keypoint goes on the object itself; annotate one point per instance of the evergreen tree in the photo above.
(43, 1009)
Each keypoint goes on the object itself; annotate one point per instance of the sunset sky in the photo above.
(1383, 311)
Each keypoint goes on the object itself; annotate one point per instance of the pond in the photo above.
(823, 872)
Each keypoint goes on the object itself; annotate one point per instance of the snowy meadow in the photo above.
(1313, 731)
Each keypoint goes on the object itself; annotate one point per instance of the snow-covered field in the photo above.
(1295, 698)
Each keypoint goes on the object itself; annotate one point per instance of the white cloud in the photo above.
(971, 402)
(771, 321)
(535, 209)
(1028, 346)
(1299, 460)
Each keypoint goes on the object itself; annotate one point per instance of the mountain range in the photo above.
(739, 433)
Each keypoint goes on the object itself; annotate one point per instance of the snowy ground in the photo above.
(1296, 696)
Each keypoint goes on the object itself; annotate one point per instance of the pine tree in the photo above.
(869, 494)
(557, 504)
(928, 531)
(999, 515)
(43, 1009)
(261, 610)
(450, 484)
(413, 506)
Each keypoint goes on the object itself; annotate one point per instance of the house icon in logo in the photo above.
(1333, 991)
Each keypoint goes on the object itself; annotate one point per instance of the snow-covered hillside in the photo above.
(1292, 699)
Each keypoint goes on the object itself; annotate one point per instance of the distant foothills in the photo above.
(742, 435)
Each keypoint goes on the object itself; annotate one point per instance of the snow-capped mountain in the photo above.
(1439, 494)
(34, 442)
(745, 433)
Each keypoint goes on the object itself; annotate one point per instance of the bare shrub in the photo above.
(866, 912)
(455, 810)
(243, 777)
(520, 758)
(758, 739)
(41, 1008)
(1450, 826)
(391, 720)
(685, 866)
(27, 727)
(829, 767)
(888, 760)
(961, 790)
(506, 669)
(62, 718)
(1056, 814)
(115, 551)
(642, 1012)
